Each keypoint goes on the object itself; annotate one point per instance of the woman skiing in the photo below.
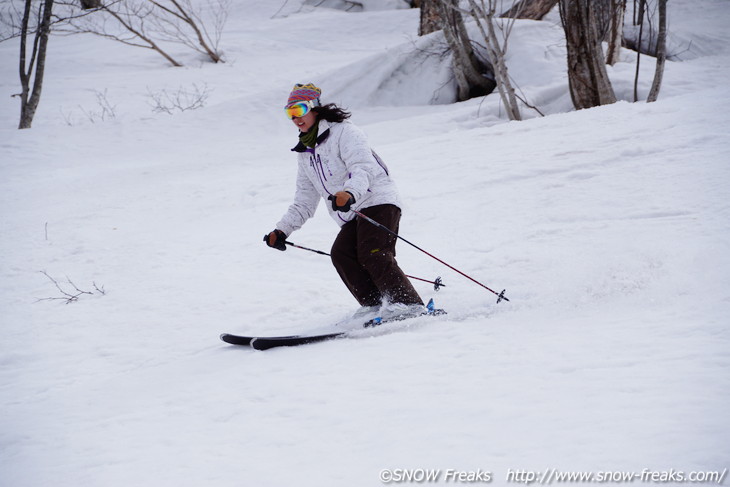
(336, 163)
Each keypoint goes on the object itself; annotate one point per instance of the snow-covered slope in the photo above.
(608, 227)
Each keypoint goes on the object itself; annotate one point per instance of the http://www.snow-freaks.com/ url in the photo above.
(550, 476)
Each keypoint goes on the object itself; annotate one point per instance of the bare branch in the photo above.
(183, 18)
(182, 100)
(129, 15)
(69, 296)
(106, 111)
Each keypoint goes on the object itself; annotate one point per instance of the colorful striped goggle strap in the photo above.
(299, 109)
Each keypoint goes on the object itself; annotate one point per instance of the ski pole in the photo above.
(437, 283)
(500, 296)
(305, 248)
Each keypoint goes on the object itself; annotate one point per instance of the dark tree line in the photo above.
(477, 72)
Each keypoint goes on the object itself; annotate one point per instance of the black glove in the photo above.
(341, 201)
(276, 239)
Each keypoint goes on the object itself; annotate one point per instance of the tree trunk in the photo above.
(642, 8)
(661, 54)
(474, 77)
(530, 9)
(587, 76)
(616, 31)
(29, 98)
(430, 17)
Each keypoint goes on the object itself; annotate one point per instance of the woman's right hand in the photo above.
(276, 239)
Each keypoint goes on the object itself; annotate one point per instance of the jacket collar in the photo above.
(323, 133)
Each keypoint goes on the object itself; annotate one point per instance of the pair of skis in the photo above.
(265, 343)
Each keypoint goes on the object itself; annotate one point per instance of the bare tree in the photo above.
(587, 75)
(182, 19)
(145, 23)
(484, 16)
(132, 16)
(39, 26)
(32, 24)
(615, 30)
(661, 54)
(609, 21)
(642, 10)
(654, 45)
(475, 76)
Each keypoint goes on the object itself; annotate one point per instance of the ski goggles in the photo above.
(299, 109)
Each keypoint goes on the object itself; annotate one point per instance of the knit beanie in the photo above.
(302, 92)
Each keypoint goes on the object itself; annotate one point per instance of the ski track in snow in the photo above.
(609, 228)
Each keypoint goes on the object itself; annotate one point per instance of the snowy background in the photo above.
(609, 228)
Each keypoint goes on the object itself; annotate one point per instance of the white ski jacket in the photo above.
(342, 160)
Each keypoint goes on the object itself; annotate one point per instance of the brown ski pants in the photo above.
(364, 256)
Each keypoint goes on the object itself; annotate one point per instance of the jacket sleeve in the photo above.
(359, 159)
(302, 209)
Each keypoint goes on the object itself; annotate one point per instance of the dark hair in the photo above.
(331, 113)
